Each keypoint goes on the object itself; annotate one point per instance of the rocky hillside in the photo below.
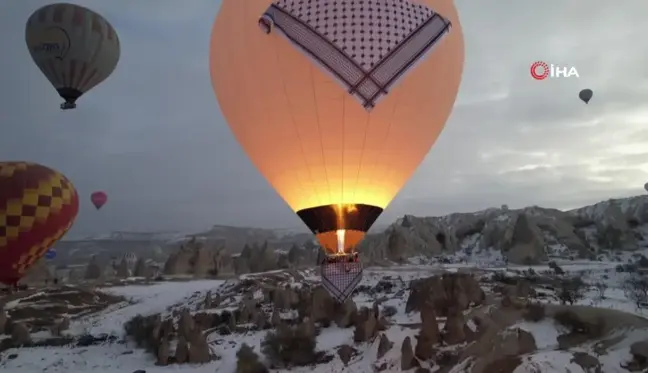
(529, 235)
(159, 245)
(235, 239)
(106, 250)
(202, 259)
(524, 236)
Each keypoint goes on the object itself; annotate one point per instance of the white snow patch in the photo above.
(549, 362)
(544, 332)
(146, 300)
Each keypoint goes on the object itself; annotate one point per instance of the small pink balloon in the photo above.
(99, 199)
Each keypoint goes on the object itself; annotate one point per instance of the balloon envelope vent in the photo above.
(341, 278)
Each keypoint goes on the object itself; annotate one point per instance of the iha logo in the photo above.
(542, 70)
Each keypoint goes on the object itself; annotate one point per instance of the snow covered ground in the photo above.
(550, 359)
(145, 300)
(122, 357)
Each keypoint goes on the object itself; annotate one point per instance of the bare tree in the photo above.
(556, 268)
(635, 288)
(571, 290)
(601, 287)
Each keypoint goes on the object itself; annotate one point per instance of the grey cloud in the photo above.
(528, 123)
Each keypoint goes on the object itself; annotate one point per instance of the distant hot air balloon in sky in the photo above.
(586, 95)
(37, 206)
(98, 199)
(73, 46)
(646, 187)
(337, 111)
(50, 253)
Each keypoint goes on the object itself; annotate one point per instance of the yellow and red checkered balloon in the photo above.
(37, 206)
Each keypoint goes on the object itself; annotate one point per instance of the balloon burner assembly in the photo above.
(341, 273)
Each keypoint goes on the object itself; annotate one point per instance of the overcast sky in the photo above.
(153, 138)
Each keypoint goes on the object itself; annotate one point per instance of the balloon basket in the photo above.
(68, 106)
(341, 274)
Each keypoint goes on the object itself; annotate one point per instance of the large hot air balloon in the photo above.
(299, 88)
(98, 199)
(37, 206)
(73, 46)
(337, 102)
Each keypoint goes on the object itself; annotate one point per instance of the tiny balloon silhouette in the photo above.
(586, 95)
(646, 187)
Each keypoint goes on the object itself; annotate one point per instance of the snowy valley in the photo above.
(502, 290)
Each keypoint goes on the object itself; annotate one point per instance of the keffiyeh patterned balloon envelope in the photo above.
(337, 102)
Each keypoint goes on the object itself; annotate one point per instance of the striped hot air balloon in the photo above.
(74, 47)
(37, 206)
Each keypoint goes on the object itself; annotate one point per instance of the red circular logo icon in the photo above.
(539, 70)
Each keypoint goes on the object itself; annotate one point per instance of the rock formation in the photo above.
(408, 361)
(94, 270)
(524, 236)
(523, 242)
(203, 259)
(141, 268)
(448, 293)
(122, 270)
(384, 345)
(199, 259)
